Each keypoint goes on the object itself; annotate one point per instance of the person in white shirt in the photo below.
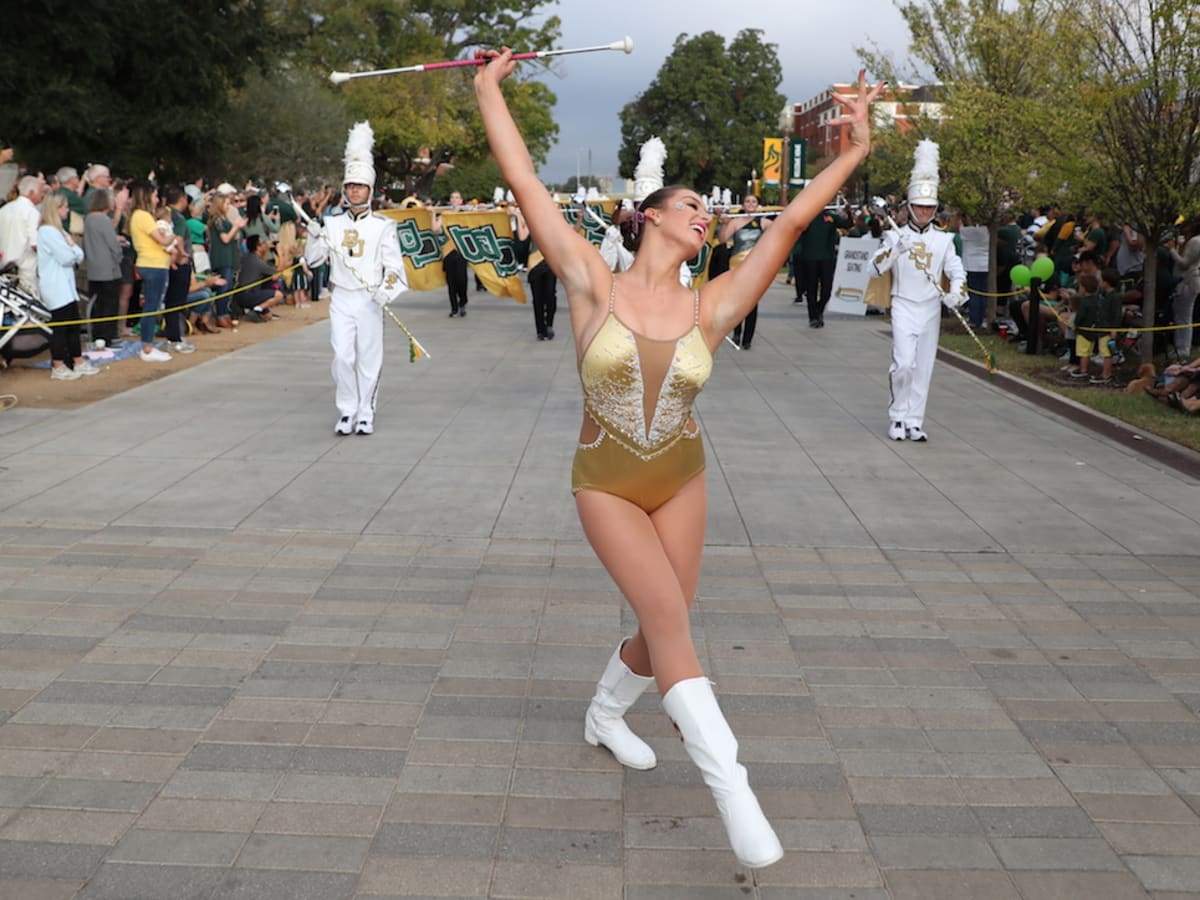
(366, 273)
(18, 231)
(918, 254)
(976, 259)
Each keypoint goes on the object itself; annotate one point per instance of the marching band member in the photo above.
(744, 231)
(366, 272)
(918, 254)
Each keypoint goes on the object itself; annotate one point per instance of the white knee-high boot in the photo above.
(713, 748)
(616, 691)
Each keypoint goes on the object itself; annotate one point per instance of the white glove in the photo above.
(380, 297)
(954, 300)
(314, 228)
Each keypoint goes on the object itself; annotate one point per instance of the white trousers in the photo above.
(915, 329)
(356, 333)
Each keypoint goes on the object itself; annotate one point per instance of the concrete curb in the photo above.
(1166, 452)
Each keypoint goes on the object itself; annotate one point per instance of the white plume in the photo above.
(726, 197)
(925, 161)
(923, 184)
(497, 195)
(648, 176)
(360, 144)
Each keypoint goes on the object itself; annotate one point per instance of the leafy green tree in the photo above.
(475, 180)
(1146, 87)
(1010, 127)
(284, 126)
(138, 84)
(426, 121)
(711, 105)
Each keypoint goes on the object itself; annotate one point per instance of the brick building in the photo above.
(897, 107)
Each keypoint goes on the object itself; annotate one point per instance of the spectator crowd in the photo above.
(131, 260)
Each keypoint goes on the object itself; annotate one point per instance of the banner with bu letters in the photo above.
(483, 237)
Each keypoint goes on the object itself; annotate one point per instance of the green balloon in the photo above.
(1042, 268)
(1020, 275)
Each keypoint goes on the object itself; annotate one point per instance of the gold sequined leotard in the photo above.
(638, 394)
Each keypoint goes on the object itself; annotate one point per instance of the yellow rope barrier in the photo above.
(990, 294)
(157, 312)
(1122, 327)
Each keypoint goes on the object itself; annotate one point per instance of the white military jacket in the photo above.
(363, 252)
(917, 261)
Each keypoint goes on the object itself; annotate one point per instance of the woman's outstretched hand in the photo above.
(857, 111)
(499, 66)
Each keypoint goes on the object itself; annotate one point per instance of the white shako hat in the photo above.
(360, 163)
(648, 176)
(923, 183)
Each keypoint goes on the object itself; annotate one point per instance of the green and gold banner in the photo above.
(484, 238)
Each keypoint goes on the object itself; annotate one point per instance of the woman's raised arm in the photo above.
(569, 254)
(735, 293)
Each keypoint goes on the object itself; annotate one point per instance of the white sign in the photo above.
(851, 275)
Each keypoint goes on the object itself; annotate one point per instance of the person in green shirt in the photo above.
(814, 258)
(68, 188)
(225, 225)
(280, 207)
(1096, 322)
(1008, 253)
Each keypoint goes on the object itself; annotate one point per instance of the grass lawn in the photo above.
(1136, 410)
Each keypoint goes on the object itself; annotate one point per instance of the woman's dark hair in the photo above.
(634, 226)
(253, 208)
(141, 194)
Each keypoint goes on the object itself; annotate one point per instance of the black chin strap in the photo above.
(919, 229)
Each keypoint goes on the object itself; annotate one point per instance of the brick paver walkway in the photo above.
(240, 658)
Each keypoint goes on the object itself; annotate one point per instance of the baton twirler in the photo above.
(625, 45)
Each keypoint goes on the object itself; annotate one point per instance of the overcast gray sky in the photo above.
(815, 42)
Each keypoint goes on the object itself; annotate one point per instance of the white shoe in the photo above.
(343, 426)
(604, 722)
(365, 427)
(154, 355)
(184, 346)
(896, 431)
(86, 368)
(64, 373)
(916, 434)
(713, 748)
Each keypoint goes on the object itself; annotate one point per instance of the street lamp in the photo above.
(785, 128)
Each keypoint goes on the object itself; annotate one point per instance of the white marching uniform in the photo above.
(366, 270)
(917, 261)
